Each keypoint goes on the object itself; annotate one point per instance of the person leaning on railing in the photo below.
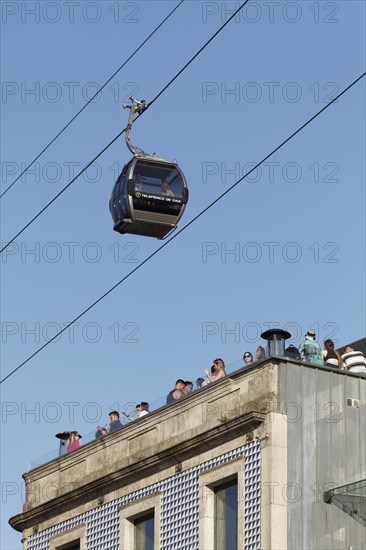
(331, 357)
(73, 442)
(113, 425)
(217, 371)
(141, 409)
(355, 360)
(177, 392)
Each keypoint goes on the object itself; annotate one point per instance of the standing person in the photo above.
(177, 392)
(311, 349)
(143, 409)
(137, 413)
(188, 388)
(113, 425)
(260, 354)
(217, 371)
(73, 442)
(331, 357)
(355, 360)
(199, 383)
(101, 432)
(248, 358)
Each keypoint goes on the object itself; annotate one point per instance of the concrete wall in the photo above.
(327, 448)
(296, 417)
(176, 438)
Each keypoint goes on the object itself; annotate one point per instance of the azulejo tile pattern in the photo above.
(179, 509)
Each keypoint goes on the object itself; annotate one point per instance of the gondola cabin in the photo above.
(149, 197)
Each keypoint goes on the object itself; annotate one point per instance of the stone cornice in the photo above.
(168, 437)
(227, 429)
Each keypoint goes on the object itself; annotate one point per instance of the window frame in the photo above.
(63, 540)
(223, 517)
(137, 510)
(210, 480)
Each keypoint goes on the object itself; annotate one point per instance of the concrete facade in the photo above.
(283, 429)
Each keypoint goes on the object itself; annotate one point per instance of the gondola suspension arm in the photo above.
(135, 107)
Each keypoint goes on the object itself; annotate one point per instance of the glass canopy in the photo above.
(351, 499)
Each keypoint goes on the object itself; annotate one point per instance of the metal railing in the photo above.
(153, 406)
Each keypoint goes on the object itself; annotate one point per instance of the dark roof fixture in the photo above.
(63, 437)
(276, 338)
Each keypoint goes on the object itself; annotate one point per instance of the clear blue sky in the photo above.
(297, 228)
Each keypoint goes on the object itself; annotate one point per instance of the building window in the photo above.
(221, 512)
(144, 532)
(140, 524)
(226, 515)
(72, 539)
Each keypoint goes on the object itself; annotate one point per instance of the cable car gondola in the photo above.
(150, 194)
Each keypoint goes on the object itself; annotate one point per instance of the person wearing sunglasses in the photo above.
(248, 358)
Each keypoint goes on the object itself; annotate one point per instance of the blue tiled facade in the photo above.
(179, 509)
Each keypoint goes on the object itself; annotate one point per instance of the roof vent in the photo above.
(276, 338)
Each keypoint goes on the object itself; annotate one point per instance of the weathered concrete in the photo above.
(204, 421)
(310, 422)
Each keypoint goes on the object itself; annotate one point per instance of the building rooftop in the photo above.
(220, 414)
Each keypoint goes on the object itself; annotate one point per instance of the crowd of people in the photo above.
(310, 351)
(114, 424)
(350, 360)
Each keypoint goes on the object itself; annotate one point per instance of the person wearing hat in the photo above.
(311, 349)
(73, 442)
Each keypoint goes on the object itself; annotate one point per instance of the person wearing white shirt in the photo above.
(165, 190)
(355, 360)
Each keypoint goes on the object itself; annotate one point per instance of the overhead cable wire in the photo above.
(186, 226)
(118, 135)
(93, 97)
